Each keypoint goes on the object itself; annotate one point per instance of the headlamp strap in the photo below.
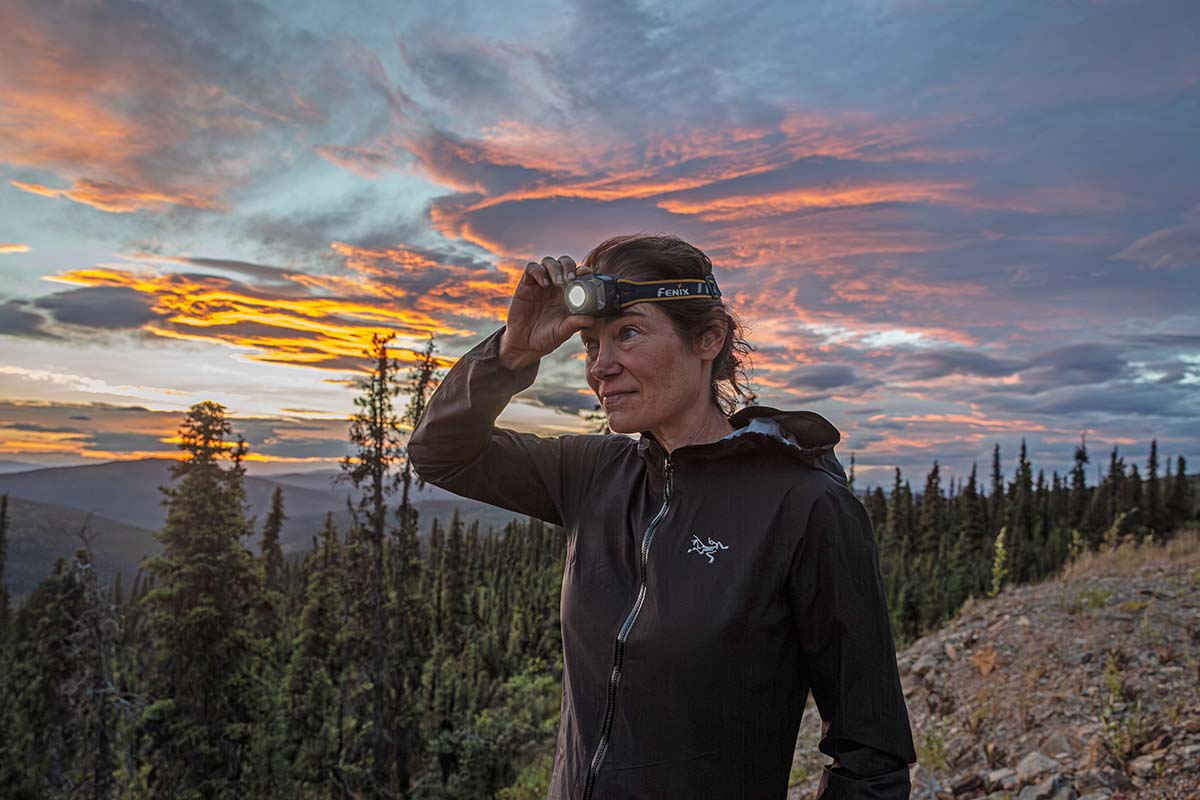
(673, 289)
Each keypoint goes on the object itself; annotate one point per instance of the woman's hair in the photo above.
(644, 258)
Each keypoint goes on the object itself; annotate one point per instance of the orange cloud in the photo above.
(124, 121)
(326, 325)
(12, 247)
(768, 204)
(955, 420)
(114, 197)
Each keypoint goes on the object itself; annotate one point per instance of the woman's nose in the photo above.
(603, 363)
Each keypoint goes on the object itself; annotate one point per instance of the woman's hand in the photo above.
(538, 321)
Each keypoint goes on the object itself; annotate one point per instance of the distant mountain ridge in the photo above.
(48, 506)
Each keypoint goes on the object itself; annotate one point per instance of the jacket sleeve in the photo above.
(840, 611)
(457, 446)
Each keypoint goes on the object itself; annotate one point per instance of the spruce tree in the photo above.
(930, 550)
(1114, 479)
(206, 697)
(92, 691)
(38, 745)
(971, 554)
(1019, 540)
(375, 471)
(1131, 499)
(933, 512)
(1179, 501)
(996, 496)
(272, 552)
(1080, 497)
(314, 684)
(1153, 497)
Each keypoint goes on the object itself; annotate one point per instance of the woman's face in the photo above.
(641, 370)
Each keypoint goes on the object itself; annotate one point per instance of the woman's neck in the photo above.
(697, 426)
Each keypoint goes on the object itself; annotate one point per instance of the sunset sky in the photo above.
(948, 225)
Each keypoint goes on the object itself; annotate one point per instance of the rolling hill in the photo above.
(47, 507)
(40, 532)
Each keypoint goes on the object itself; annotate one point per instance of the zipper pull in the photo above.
(668, 468)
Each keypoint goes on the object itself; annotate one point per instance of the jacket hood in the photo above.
(805, 435)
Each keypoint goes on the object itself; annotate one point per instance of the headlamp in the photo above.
(601, 295)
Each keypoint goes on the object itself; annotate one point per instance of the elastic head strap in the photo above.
(631, 291)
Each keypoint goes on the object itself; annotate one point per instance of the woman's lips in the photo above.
(612, 398)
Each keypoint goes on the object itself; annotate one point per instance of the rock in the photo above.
(969, 782)
(1034, 766)
(1005, 778)
(1143, 766)
(923, 665)
(1058, 743)
(1023, 620)
(1056, 787)
(951, 652)
(925, 786)
(1157, 744)
(1095, 796)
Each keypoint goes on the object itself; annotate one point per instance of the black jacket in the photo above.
(704, 594)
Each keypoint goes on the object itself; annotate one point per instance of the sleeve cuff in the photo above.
(489, 350)
(888, 786)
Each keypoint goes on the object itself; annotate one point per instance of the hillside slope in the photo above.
(1085, 685)
(41, 532)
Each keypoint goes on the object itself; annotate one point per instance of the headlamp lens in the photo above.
(576, 296)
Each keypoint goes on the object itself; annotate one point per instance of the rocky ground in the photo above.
(1083, 686)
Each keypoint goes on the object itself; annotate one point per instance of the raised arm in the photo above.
(456, 445)
(840, 611)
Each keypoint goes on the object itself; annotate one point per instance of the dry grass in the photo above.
(1129, 556)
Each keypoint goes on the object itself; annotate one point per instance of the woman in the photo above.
(718, 568)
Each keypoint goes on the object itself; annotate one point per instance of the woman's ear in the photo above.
(712, 339)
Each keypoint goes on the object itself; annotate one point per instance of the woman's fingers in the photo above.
(538, 273)
(568, 265)
(555, 269)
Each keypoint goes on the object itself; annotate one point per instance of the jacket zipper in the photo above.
(602, 747)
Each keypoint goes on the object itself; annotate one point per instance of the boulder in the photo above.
(1035, 765)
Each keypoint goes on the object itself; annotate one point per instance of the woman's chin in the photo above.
(621, 422)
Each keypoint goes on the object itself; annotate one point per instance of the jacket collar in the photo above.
(805, 435)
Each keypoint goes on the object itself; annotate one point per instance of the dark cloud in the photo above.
(933, 364)
(565, 400)
(884, 424)
(107, 307)
(1116, 400)
(35, 427)
(1183, 341)
(17, 320)
(858, 412)
(259, 273)
(117, 442)
(828, 376)
(312, 447)
(1076, 364)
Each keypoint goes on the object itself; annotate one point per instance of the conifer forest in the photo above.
(399, 659)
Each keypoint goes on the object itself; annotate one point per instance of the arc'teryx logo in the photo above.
(706, 549)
